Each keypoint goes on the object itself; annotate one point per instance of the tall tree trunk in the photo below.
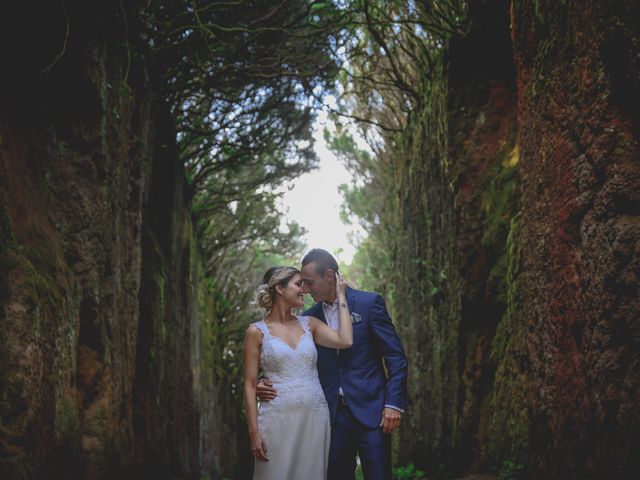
(578, 75)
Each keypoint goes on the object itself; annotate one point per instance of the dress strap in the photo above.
(262, 327)
(304, 322)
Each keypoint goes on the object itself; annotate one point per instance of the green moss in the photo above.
(510, 422)
(155, 285)
(499, 203)
(97, 421)
(46, 285)
(67, 421)
(34, 274)
(6, 228)
(159, 275)
(424, 289)
(160, 283)
(7, 260)
(500, 197)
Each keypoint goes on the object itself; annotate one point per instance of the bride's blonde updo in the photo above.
(266, 292)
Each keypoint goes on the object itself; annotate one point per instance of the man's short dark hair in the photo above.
(323, 260)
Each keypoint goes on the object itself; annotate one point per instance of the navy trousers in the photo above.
(350, 437)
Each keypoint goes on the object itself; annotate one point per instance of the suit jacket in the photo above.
(359, 369)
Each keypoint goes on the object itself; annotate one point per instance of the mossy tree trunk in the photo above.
(426, 294)
(577, 334)
(483, 150)
(99, 334)
(75, 159)
(530, 354)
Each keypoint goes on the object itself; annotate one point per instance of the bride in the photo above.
(290, 435)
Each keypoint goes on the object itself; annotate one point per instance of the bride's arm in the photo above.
(252, 345)
(325, 335)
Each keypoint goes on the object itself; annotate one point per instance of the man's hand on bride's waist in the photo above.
(265, 390)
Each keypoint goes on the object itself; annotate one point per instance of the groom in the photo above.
(365, 405)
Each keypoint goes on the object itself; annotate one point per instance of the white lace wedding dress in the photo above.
(295, 425)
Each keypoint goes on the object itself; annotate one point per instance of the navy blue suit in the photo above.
(360, 372)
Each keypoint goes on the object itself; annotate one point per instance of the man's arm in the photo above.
(394, 359)
(265, 390)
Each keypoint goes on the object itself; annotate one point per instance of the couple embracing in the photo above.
(326, 397)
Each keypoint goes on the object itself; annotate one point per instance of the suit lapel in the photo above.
(351, 299)
(350, 294)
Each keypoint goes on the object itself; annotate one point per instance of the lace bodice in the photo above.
(293, 372)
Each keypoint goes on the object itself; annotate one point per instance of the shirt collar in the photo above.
(330, 306)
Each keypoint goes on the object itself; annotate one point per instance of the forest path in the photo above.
(480, 476)
(484, 476)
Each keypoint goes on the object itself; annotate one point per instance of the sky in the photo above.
(314, 202)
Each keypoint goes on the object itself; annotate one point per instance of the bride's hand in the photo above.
(341, 287)
(259, 447)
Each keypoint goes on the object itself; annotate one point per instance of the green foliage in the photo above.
(214, 477)
(510, 470)
(500, 198)
(67, 422)
(395, 46)
(408, 472)
(8, 261)
(365, 202)
(395, 87)
(395, 49)
(500, 203)
(510, 427)
(369, 266)
(241, 80)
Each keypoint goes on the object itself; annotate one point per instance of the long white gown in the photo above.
(295, 425)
